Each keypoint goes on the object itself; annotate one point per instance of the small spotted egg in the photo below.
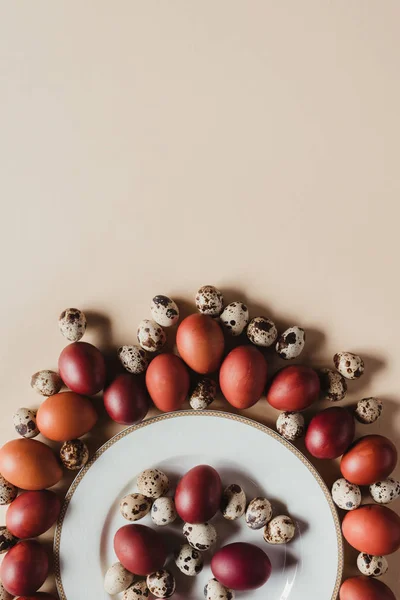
(200, 536)
(164, 311)
(189, 561)
(137, 591)
(258, 513)
(291, 342)
(233, 503)
(385, 491)
(163, 511)
(153, 483)
(74, 454)
(333, 385)
(280, 530)
(4, 595)
(25, 423)
(214, 590)
(368, 410)
(161, 584)
(235, 317)
(134, 507)
(209, 301)
(372, 566)
(151, 336)
(133, 358)
(349, 365)
(8, 491)
(262, 332)
(7, 540)
(46, 383)
(290, 425)
(117, 579)
(72, 324)
(203, 394)
(346, 495)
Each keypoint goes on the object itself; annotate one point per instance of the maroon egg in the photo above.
(294, 388)
(243, 376)
(140, 549)
(198, 494)
(24, 568)
(126, 399)
(241, 566)
(33, 513)
(330, 433)
(82, 368)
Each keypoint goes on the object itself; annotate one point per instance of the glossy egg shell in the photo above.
(370, 459)
(294, 388)
(33, 513)
(365, 588)
(24, 568)
(167, 381)
(29, 464)
(372, 528)
(241, 566)
(198, 494)
(126, 399)
(200, 343)
(82, 368)
(139, 549)
(330, 433)
(66, 416)
(243, 376)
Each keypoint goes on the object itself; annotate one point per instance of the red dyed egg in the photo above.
(198, 494)
(372, 528)
(25, 568)
(38, 596)
(294, 388)
(167, 381)
(370, 459)
(243, 376)
(82, 368)
(200, 343)
(140, 549)
(330, 433)
(126, 399)
(66, 416)
(241, 566)
(364, 588)
(33, 513)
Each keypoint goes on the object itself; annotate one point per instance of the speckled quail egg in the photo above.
(4, 595)
(349, 365)
(261, 331)
(189, 560)
(153, 483)
(333, 385)
(134, 507)
(137, 591)
(133, 358)
(117, 579)
(74, 454)
(7, 540)
(200, 536)
(372, 566)
(346, 495)
(214, 590)
(164, 311)
(233, 503)
(151, 336)
(163, 511)
(161, 584)
(8, 491)
(46, 383)
(203, 394)
(291, 342)
(25, 423)
(280, 530)
(258, 513)
(368, 410)
(72, 324)
(235, 317)
(209, 301)
(290, 425)
(385, 491)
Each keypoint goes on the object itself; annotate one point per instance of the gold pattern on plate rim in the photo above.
(199, 413)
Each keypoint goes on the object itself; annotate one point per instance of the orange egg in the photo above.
(29, 464)
(200, 343)
(167, 381)
(373, 529)
(66, 416)
(243, 376)
(364, 588)
(370, 459)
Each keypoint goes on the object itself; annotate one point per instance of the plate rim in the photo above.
(198, 413)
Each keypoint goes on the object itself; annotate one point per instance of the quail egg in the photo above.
(7, 540)
(200, 536)
(164, 311)
(235, 317)
(333, 385)
(368, 410)
(74, 454)
(72, 324)
(346, 495)
(46, 382)
(134, 507)
(349, 365)
(8, 491)
(133, 358)
(233, 503)
(280, 530)
(4, 595)
(209, 301)
(261, 331)
(372, 566)
(290, 425)
(188, 560)
(163, 511)
(137, 591)
(151, 336)
(291, 343)
(385, 491)
(258, 513)
(161, 584)
(203, 394)
(117, 579)
(25, 423)
(214, 590)
(153, 483)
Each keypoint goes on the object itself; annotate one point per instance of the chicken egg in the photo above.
(346, 495)
(368, 410)
(280, 530)
(153, 483)
(25, 423)
(151, 336)
(385, 491)
(291, 343)
(372, 566)
(117, 579)
(189, 561)
(164, 311)
(133, 358)
(349, 365)
(209, 301)
(233, 503)
(235, 317)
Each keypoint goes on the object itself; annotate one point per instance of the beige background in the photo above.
(153, 147)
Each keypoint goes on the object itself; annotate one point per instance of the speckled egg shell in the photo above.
(25, 423)
(368, 410)
(280, 530)
(346, 495)
(233, 504)
(153, 483)
(151, 336)
(161, 584)
(134, 507)
(46, 383)
(74, 454)
(164, 311)
(349, 365)
(209, 301)
(235, 318)
(117, 579)
(189, 560)
(385, 491)
(7, 540)
(333, 385)
(290, 425)
(8, 491)
(258, 513)
(163, 511)
(201, 536)
(203, 394)
(4, 595)
(133, 358)
(72, 324)
(291, 343)
(214, 590)
(372, 566)
(261, 331)
(137, 591)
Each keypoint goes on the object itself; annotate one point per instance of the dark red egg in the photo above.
(241, 566)
(200, 343)
(243, 376)
(372, 528)
(140, 549)
(167, 381)
(365, 588)
(38, 596)
(198, 494)
(25, 568)
(33, 513)
(126, 399)
(370, 459)
(294, 388)
(82, 368)
(330, 433)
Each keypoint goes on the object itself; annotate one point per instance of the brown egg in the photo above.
(372, 528)
(66, 416)
(364, 588)
(243, 376)
(370, 459)
(29, 464)
(167, 381)
(200, 343)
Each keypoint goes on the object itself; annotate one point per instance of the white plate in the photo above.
(243, 452)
